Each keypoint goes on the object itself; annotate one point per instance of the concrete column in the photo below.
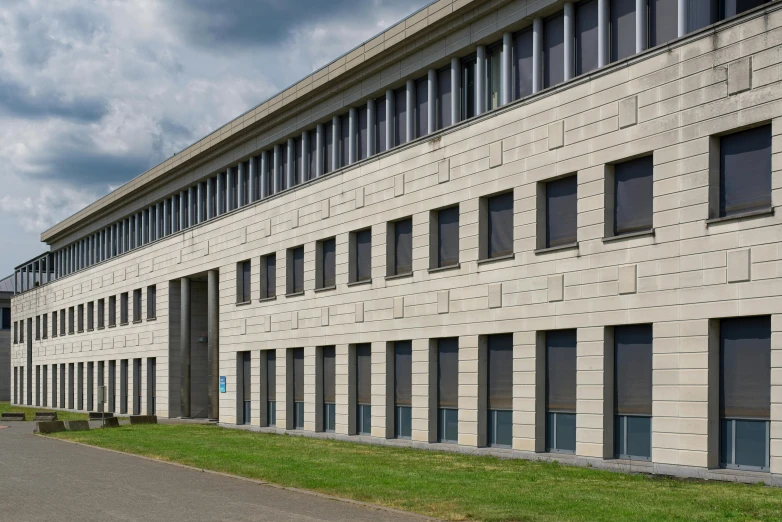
(353, 125)
(389, 119)
(409, 122)
(506, 72)
(455, 82)
(199, 217)
(602, 33)
(570, 40)
(265, 174)
(191, 198)
(172, 215)
(184, 346)
(335, 143)
(320, 139)
(183, 210)
(219, 194)
(139, 230)
(213, 349)
(480, 80)
(291, 181)
(40, 271)
(537, 54)
(209, 190)
(276, 168)
(230, 182)
(127, 247)
(240, 176)
(305, 154)
(166, 225)
(253, 172)
(431, 113)
(371, 128)
(641, 36)
(683, 20)
(144, 225)
(159, 217)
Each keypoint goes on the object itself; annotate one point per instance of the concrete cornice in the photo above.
(395, 41)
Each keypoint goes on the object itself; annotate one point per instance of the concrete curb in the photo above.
(376, 507)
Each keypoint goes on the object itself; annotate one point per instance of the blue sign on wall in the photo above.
(222, 384)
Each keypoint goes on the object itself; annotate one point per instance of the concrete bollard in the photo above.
(12, 416)
(77, 425)
(143, 419)
(45, 416)
(111, 422)
(50, 427)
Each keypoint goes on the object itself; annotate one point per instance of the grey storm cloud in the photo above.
(19, 101)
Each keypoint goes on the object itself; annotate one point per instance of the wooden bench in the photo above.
(12, 416)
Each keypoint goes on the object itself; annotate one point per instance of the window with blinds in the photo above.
(553, 50)
(298, 388)
(561, 391)
(361, 259)
(447, 253)
(633, 195)
(329, 379)
(444, 96)
(403, 388)
(271, 387)
(633, 391)
(363, 388)
(269, 276)
(381, 123)
(243, 282)
(123, 308)
(499, 215)
(500, 393)
(745, 171)
(561, 212)
(326, 276)
(152, 298)
(421, 107)
(586, 36)
(400, 116)
(246, 388)
(403, 247)
(137, 305)
(295, 270)
(448, 390)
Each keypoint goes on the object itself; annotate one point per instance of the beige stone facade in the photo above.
(670, 101)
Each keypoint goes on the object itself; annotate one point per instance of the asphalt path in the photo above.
(47, 479)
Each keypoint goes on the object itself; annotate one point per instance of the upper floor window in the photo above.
(137, 305)
(587, 33)
(444, 238)
(326, 263)
(496, 226)
(70, 320)
(243, 280)
(553, 50)
(631, 185)
(400, 247)
(361, 256)
(151, 302)
(5, 319)
(123, 308)
(269, 276)
(295, 271)
(561, 212)
(90, 315)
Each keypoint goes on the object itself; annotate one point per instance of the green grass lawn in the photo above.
(443, 485)
(29, 413)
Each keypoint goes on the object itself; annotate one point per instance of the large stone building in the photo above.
(536, 228)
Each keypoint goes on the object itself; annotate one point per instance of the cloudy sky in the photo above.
(94, 92)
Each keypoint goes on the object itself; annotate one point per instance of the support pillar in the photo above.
(213, 316)
(641, 36)
(507, 68)
(455, 82)
(320, 138)
(570, 41)
(683, 21)
(409, 122)
(184, 347)
(480, 81)
(276, 168)
(537, 54)
(431, 114)
(265, 174)
(291, 181)
(352, 126)
(602, 33)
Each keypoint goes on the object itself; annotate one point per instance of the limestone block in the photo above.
(324, 316)
(628, 112)
(399, 307)
(294, 320)
(360, 197)
(495, 154)
(325, 208)
(295, 218)
(495, 295)
(740, 75)
(443, 301)
(359, 312)
(628, 279)
(399, 185)
(556, 287)
(242, 326)
(444, 171)
(738, 266)
(556, 135)
(267, 323)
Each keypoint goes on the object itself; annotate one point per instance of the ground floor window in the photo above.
(448, 425)
(561, 432)
(744, 444)
(271, 413)
(364, 419)
(404, 422)
(633, 437)
(329, 417)
(501, 428)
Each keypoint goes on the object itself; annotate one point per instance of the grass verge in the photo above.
(444, 485)
(29, 413)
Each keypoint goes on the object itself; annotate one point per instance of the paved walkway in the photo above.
(45, 479)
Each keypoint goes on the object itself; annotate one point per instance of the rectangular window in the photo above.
(295, 270)
(403, 389)
(326, 267)
(500, 392)
(444, 97)
(381, 122)
(586, 36)
(364, 389)
(361, 256)
(522, 63)
(344, 140)
(745, 392)
(151, 386)
(55, 329)
(493, 76)
(400, 116)
(298, 388)
(55, 388)
(45, 326)
(136, 386)
(497, 213)
(112, 387)
(298, 160)
(71, 320)
(421, 107)
(80, 323)
(633, 392)
(735, 7)
(622, 29)
(448, 390)
(283, 179)
(243, 294)
(400, 247)
(701, 13)
(561, 212)
(112, 311)
(445, 238)
(123, 386)
(137, 305)
(245, 374)
(633, 195)
(329, 388)
(37, 384)
(745, 171)
(101, 313)
(71, 386)
(663, 21)
(91, 315)
(6, 318)
(554, 50)
(16, 334)
(62, 322)
(361, 133)
(123, 308)
(269, 276)
(38, 327)
(271, 387)
(79, 386)
(467, 104)
(328, 147)
(151, 302)
(90, 381)
(561, 391)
